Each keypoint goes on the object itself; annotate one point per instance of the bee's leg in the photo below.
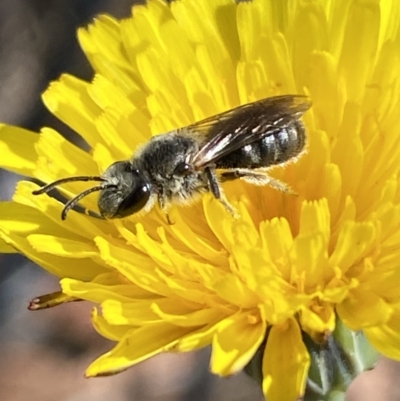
(256, 178)
(169, 221)
(216, 190)
(163, 206)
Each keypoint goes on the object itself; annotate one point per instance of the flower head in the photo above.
(289, 264)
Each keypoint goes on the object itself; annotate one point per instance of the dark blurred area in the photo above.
(43, 355)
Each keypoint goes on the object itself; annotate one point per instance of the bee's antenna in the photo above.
(54, 184)
(72, 202)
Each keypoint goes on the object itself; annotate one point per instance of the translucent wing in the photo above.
(233, 129)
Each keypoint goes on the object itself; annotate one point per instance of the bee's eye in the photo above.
(183, 169)
(129, 168)
(135, 201)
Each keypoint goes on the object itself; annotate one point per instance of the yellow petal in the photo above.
(363, 309)
(386, 338)
(112, 332)
(189, 319)
(17, 149)
(69, 101)
(6, 248)
(357, 56)
(235, 342)
(148, 341)
(285, 356)
(105, 286)
(62, 246)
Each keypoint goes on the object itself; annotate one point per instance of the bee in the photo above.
(177, 167)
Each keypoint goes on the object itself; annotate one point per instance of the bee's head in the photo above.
(128, 193)
(124, 190)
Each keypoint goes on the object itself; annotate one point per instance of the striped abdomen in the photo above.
(273, 149)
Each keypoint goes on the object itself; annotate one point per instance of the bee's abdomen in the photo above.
(273, 149)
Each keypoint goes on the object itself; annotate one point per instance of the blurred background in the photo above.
(43, 355)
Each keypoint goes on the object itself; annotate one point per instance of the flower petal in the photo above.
(148, 341)
(386, 338)
(68, 99)
(17, 149)
(285, 356)
(235, 342)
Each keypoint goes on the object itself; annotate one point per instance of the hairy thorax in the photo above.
(160, 159)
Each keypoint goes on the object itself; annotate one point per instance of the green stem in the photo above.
(334, 364)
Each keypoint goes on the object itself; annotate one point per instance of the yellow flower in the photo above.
(289, 264)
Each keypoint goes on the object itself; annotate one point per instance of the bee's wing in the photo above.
(233, 129)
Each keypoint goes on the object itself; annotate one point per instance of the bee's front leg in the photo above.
(163, 203)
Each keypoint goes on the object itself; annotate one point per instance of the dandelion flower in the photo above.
(291, 269)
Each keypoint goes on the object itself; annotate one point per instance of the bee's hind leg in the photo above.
(216, 190)
(256, 178)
